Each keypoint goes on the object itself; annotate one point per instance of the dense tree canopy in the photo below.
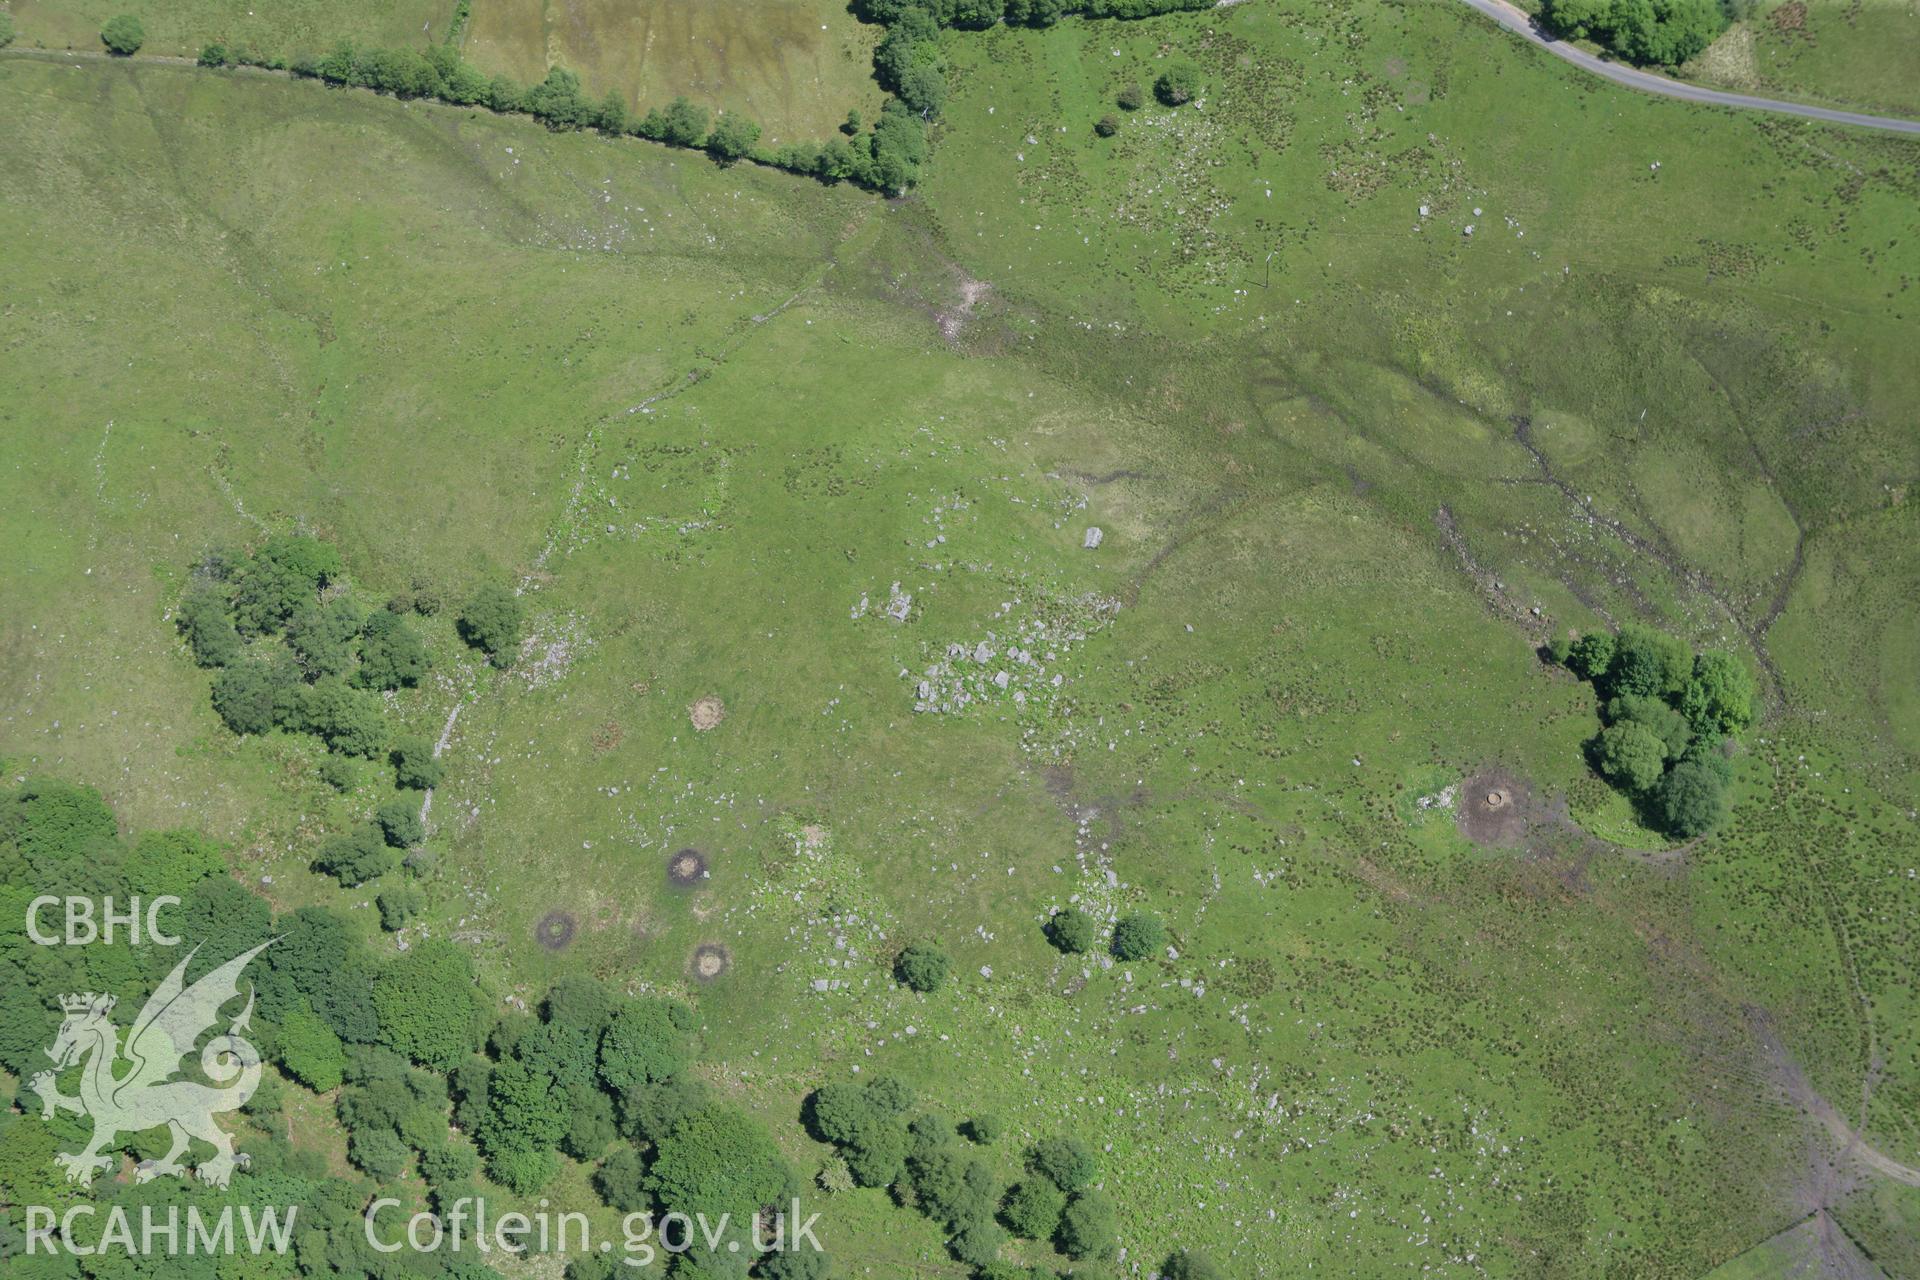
(414, 766)
(683, 123)
(391, 655)
(717, 1161)
(325, 637)
(1648, 662)
(1693, 798)
(1719, 697)
(733, 136)
(427, 1005)
(282, 575)
(580, 1001)
(391, 1114)
(399, 904)
(840, 1112)
(908, 61)
(1032, 1209)
(1591, 655)
(896, 148)
(1667, 32)
(1066, 1162)
(649, 1112)
(163, 862)
(559, 103)
(399, 822)
(211, 636)
(320, 961)
(346, 719)
(645, 1042)
(1662, 32)
(953, 1186)
(1671, 715)
(1630, 755)
(491, 621)
(1657, 717)
(1089, 1228)
(357, 856)
(524, 1119)
(250, 695)
(803, 1263)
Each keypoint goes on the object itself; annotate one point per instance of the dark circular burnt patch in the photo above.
(554, 931)
(686, 868)
(1493, 808)
(710, 960)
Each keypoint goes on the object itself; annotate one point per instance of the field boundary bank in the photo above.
(175, 62)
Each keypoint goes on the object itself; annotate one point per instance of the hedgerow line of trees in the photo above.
(887, 157)
(425, 1080)
(1670, 718)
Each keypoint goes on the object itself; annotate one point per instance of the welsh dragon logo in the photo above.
(132, 1087)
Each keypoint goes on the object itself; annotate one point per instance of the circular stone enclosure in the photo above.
(710, 960)
(686, 868)
(554, 931)
(1493, 808)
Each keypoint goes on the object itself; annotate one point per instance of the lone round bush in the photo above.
(414, 765)
(922, 966)
(1138, 936)
(1188, 1265)
(123, 35)
(1072, 930)
(491, 622)
(400, 822)
(1177, 84)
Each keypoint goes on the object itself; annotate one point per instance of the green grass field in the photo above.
(285, 28)
(1398, 350)
(1856, 53)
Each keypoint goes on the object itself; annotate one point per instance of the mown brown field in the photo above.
(795, 66)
